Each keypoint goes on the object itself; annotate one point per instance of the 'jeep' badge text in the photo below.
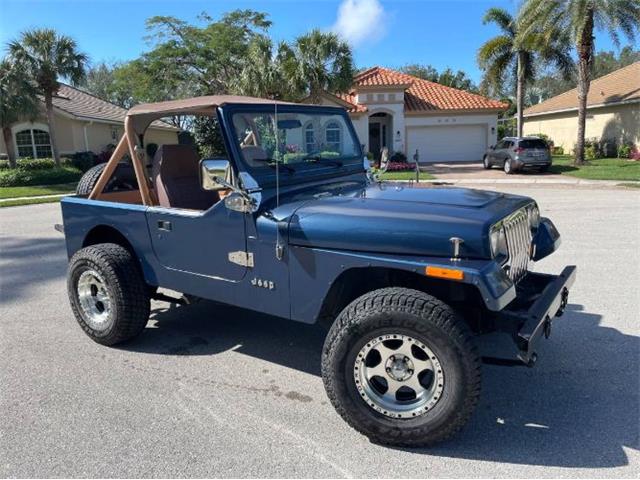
(258, 282)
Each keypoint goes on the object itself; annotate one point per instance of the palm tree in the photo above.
(512, 53)
(17, 100)
(317, 62)
(261, 75)
(579, 19)
(46, 56)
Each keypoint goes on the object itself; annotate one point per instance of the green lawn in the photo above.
(410, 175)
(28, 201)
(598, 169)
(13, 192)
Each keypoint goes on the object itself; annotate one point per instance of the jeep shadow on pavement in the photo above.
(292, 224)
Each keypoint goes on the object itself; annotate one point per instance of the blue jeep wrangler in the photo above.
(291, 223)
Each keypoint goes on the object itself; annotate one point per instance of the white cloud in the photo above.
(360, 20)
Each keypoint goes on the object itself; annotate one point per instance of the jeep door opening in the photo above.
(291, 223)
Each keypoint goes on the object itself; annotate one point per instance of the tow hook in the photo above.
(563, 302)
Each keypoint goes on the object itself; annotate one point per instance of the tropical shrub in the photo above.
(558, 151)
(398, 157)
(17, 177)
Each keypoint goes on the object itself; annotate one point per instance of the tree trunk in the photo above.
(520, 92)
(48, 102)
(585, 60)
(8, 141)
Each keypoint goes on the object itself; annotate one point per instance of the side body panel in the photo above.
(80, 216)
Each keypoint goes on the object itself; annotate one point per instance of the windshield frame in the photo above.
(303, 171)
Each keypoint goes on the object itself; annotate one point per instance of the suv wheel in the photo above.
(508, 167)
(401, 368)
(486, 163)
(108, 295)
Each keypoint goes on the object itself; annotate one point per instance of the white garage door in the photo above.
(451, 143)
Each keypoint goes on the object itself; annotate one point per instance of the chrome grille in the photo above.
(518, 233)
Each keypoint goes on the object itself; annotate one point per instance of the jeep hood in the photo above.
(401, 220)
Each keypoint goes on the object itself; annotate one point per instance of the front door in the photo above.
(199, 242)
(375, 140)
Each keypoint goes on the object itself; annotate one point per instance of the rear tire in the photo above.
(545, 168)
(108, 295)
(508, 167)
(377, 321)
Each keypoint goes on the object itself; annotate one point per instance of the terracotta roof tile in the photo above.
(618, 86)
(350, 98)
(423, 95)
(89, 107)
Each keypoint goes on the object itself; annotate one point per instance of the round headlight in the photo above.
(534, 216)
(498, 241)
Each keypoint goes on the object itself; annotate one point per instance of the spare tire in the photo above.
(124, 178)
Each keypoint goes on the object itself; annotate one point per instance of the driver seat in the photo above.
(176, 177)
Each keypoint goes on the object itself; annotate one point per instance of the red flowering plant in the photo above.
(400, 167)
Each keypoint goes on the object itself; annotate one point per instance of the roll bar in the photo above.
(137, 121)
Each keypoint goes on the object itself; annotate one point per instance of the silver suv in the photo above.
(519, 153)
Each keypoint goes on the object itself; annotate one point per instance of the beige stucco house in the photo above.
(408, 114)
(613, 111)
(83, 122)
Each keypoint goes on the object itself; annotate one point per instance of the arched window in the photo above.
(33, 142)
(332, 134)
(309, 138)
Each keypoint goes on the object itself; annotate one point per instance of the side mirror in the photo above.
(492, 147)
(212, 171)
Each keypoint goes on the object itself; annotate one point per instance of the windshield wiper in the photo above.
(315, 158)
(270, 162)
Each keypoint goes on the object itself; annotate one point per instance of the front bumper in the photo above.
(540, 298)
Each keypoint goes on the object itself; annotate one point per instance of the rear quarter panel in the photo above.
(81, 215)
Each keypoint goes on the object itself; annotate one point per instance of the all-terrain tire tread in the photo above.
(124, 275)
(429, 309)
(89, 179)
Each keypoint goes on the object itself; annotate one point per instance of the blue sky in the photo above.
(389, 33)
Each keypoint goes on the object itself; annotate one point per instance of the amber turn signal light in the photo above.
(448, 273)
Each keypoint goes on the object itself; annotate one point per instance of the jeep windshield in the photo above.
(299, 140)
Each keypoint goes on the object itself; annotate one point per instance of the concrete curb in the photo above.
(524, 181)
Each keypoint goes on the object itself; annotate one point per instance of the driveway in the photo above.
(209, 390)
(475, 170)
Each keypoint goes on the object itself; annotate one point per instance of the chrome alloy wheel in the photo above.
(398, 376)
(94, 299)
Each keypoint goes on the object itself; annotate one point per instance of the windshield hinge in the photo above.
(244, 259)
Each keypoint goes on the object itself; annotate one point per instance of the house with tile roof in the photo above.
(83, 122)
(411, 115)
(613, 111)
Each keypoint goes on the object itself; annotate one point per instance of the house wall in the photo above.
(361, 126)
(619, 122)
(75, 135)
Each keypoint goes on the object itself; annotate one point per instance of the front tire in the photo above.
(108, 295)
(401, 368)
(485, 162)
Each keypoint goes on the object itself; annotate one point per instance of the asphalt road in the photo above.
(215, 391)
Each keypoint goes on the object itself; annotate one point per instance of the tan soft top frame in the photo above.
(138, 120)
